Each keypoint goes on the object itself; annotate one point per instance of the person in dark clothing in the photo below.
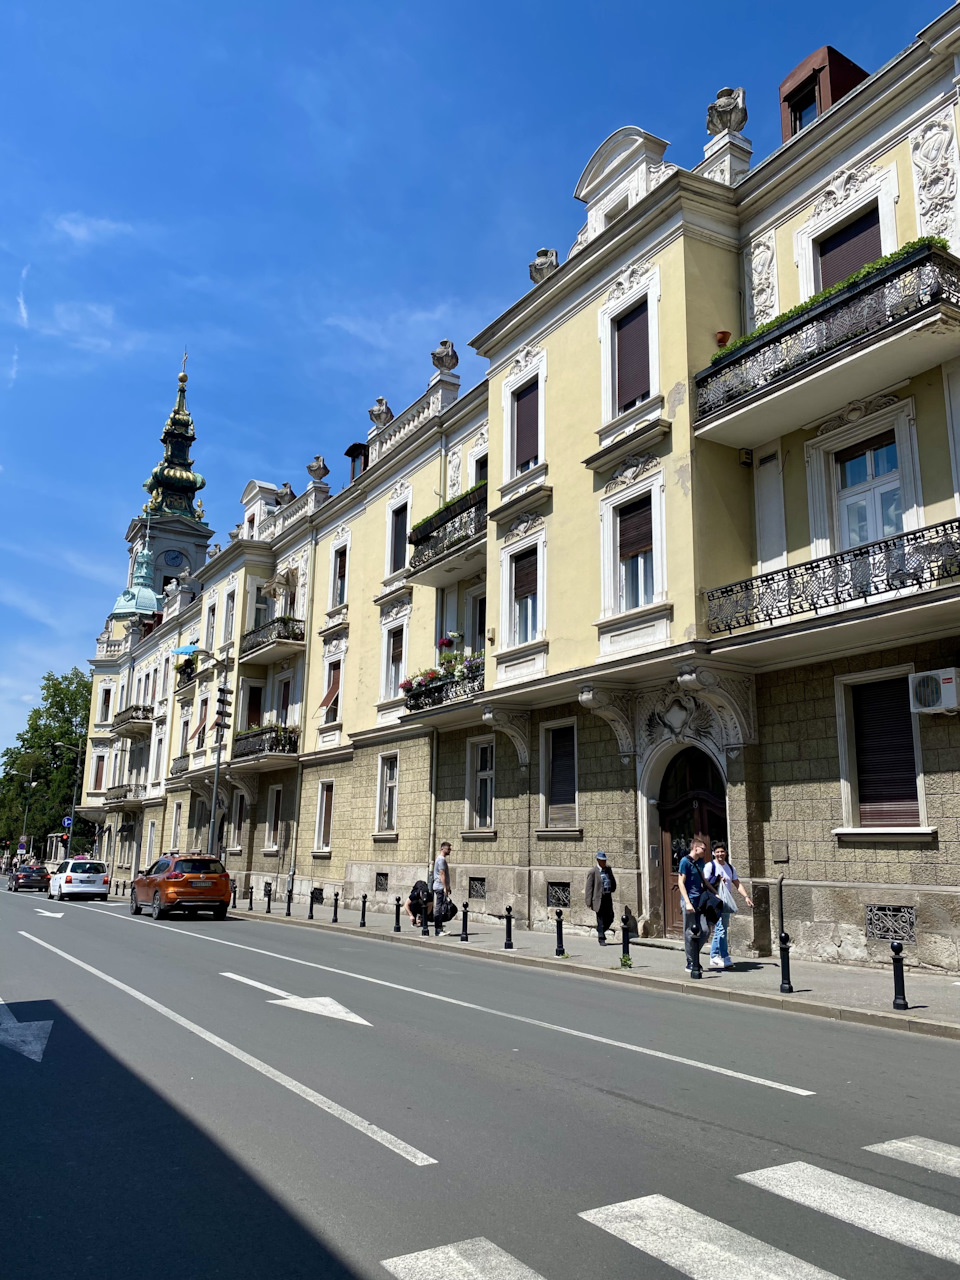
(420, 896)
(600, 888)
(690, 880)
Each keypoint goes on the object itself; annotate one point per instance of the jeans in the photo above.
(691, 945)
(439, 901)
(718, 947)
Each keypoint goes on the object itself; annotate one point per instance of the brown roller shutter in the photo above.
(858, 450)
(526, 425)
(635, 528)
(886, 764)
(398, 550)
(633, 357)
(850, 248)
(562, 798)
(525, 574)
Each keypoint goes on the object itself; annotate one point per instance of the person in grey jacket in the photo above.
(600, 888)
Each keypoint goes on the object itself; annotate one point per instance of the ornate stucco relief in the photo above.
(629, 470)
(933, 149)
(846, 182)
(762, 289)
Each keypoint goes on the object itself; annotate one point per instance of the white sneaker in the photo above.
(717, 963)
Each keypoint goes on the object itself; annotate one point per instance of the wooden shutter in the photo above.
(850, 248)
(333, 688)
(203, 719)
(526, 425)
(886, 764)
(635, 526)
(398, 552)
(562, 794)
(525, 574)
(633, 357)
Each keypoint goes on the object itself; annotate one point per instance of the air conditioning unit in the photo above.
(932, 691)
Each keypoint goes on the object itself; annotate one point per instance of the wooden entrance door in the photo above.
(692, 803)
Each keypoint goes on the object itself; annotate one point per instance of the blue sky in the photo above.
(309, 196)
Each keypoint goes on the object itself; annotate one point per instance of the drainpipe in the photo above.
(642, 834)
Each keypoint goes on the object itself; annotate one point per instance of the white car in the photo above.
(80, 878)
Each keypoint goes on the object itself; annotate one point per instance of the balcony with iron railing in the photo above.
(451, 542)
(266, 747)
(913, 562)
(896, 321)
(279, 638)
(179, 764)
(133, 722)
(125, 796)
(445, 689)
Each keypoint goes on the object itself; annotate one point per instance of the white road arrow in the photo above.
(28, 1038)
(324, 1005)
(57, 915)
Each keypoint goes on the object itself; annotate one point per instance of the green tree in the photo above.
(61, 716)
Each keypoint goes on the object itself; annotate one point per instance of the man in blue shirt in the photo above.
(690, 882)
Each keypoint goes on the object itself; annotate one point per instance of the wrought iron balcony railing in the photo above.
(277, 739)
(276, 629)
(186, 673)
(447, 689)
(919, 281)
(126, 791)
(458, 522)
(135, 713)
(180, 764)
(910, 561)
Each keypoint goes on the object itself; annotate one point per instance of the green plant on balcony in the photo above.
(449, 503)
(454, 666)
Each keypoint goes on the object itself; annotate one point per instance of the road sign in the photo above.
(68, 822)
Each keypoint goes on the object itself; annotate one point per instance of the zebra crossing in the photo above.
(708, 1249)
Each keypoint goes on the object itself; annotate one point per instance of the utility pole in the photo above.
(76, 780)
(220, 724)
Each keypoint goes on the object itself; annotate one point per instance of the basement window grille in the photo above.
(558, 893)
(382, 882)
(478, 887)
(892, 924)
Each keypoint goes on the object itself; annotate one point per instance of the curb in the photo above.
(673, 986)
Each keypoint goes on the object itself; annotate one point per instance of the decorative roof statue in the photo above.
(543, 265)
(318, 469)
(173, 485)
(381, 415)
(286, 495)
(445, 357)
(728, 112)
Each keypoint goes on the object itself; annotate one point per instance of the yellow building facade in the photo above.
(695, 568)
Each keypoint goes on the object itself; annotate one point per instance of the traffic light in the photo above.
(222, 721)
(64, 838)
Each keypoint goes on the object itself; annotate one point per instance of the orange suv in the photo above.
(188, 884)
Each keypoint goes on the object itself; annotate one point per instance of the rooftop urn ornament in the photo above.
(543, 265)
(381, 415)
(445, 357)
(729, 112)
(318, 469)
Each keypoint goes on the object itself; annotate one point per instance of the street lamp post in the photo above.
(76, 780)
(26, 810)
(221, 666)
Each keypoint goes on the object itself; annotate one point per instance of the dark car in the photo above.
(29, 878)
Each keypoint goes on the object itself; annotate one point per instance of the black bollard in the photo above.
(696, 934)
(624, 921)
(363, 911)
(508, 942)
(336, 906)
(396, 918)
(250, 903)
(123, 892)
(289, 901)
(268, 894)
(310, 907)
(464, 935)
(424, 921)
(233, 894)
(560, 950)
(786, 988)
(899, 992)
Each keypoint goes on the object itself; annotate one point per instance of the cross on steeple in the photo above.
(183, 367)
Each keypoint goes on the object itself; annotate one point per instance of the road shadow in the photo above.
(103, 1178)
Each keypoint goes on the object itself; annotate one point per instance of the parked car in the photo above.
(79, 878)
(188, 884)
(28, 878)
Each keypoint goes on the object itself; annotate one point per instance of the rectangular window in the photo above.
(99, 763)
(283, 707)
(184, 737)
(852, 247)
(398, 538)
(561, 776)
(254, 706)
(136, 701)
(381, 882)
(558, 893)
(239, 815)
(482, 783)
(105, 706)
(200, 732)
(339, 577)
(211, 627)
(151, 840)
(477, 887)
(868, 485)
(157, 760)
(166, 678)
(526, 428)
(175, 834)
(635, 549)
(480, 471)
(803, 106)
(228, 616)
(394, 662)
(525, 596)
(274, 802)
(330, 706)
(633, 358)
(885, 757)
(387, 817)
(261, 610)
(321, 838)
(478, 624)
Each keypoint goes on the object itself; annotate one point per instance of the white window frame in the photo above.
(848, 754)
(322, 796)
(210, 627)
(545, 727)
(880, 188)
(479, 448)
(769, 557)
(534, 370)
(339, 544)
(470, 808)
(381, 779)
(236, 832)
(470, 599)
(329, 661)
(508, 552)
(229, 616)
(151, 839)
(821, 472)
(401, 497)
(387, 628)
(646, 286)
(654, 483)
(245, 698)
(157, 759)
(270, 843)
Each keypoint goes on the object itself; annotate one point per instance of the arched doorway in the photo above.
(692, 803)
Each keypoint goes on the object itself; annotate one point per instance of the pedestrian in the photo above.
(721, 876)
(690, 882)
(598, 894)
(419, 902)
(441, 887)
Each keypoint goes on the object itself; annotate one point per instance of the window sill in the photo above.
(394, 586)
(559, 833)
(487, 833)
(385, 837)
(234, 849)
(885, 834)
(320, 854)
(522, 482)
(270, 853)
(633, 430)
(522, 661)
(529, 499)
(637, 629)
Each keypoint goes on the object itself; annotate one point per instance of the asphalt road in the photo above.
(184, 1122)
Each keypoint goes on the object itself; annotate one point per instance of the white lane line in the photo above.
(302, 1090)
(698, 1246)
(938, 1157)
(497, 1013)
(478, 1259)
(932, 1231)
(325, 1006)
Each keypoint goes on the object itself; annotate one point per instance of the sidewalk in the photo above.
(823, 990)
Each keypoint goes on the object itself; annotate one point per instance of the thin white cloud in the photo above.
(83, 230)
(393, 332)
(12, 375)
(23, 316)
